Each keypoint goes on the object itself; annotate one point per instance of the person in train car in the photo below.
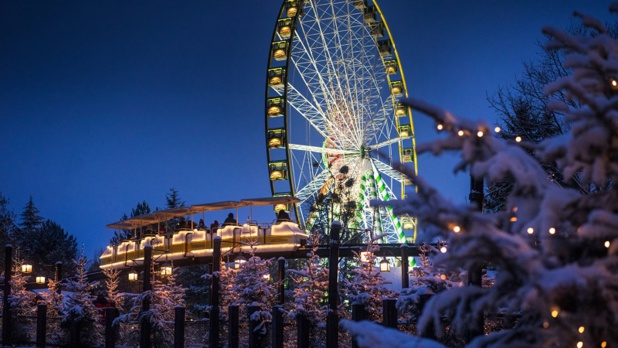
(214, 226)
(282, 216)
(201, 225)
(229, 220)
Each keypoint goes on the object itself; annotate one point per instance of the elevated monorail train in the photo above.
(191, 242)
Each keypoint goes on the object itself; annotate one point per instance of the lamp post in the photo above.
(332, 320)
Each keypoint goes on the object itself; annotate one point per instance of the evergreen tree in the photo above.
(30, 223)
(172, 199)
(166, 295)
(140, 209)
(8, 227)
(52, 244)
(81, 318)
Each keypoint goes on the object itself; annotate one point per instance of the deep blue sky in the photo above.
(104, 104)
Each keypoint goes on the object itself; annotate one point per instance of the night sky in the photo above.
(104, 104)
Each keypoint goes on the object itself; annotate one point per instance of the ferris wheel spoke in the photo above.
(322, 150)
(313, 186)
(390, 171)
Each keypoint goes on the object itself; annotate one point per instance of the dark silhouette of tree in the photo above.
(141, 209)
(8, 227)
(172, 199)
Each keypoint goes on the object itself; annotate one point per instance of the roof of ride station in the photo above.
(168, 214)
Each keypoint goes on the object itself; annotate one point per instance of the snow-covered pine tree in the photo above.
(253, 285)
(367, 285)
(81, 318)
(166, 295)
(21, 300)
(555, 249)
(309, 287)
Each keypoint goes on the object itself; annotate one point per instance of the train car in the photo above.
(190, 241)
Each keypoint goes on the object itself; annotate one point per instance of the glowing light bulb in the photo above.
(554, 312)
(497, 130)
(460, 133)
(614, 83)
(607, 243)
(581, 329)
(545, 325)
(479, 134)
(513, 219)
(530, 230)
(443, 276)
(443, 250)
(580, 344)
(456, 229)
(440, 126)
(552, 230)
(518, 139)
(603, 344)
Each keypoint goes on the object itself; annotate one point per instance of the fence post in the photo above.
(41, 324)
(145, 328)
(277, 334)
(429, 331)
(475, 272)
(358, 314)
(389, 312)
(233, 326)
(58, 276)
(281, 264)
(332, 321)
(179, 327)
(214, 293)
(253, 338)
(111, 330)
(405, 276)
(6, 308)
(302, 330)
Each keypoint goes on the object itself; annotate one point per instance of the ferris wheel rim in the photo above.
(314, 114)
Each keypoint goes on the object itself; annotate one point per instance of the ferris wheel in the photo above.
(333, 121)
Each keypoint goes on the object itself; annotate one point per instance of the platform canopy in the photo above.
(168, 214)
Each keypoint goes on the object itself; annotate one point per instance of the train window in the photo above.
(385, 47)
(397, 88)
(391, 66)
(280, 50)
(275, 138)
(274, 106)
(276, 77)
(405, 131)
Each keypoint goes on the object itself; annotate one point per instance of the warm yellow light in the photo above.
(460, 133)
(166, 271)
(266, 276)
(456, 229)
(515, 209)
(479, 134)
(239, 262)
(385, 266)
(518, 139)
(443, 276)
(552, 230)
(443, 249)
(580, 344)
(530, 230)
(132, 276)
(554, 312)
(26, 268)
(365, 256)
(513, 219)
(545, 325)
(614, 83)
(581, 329)
(292, 11)
(40, 280)
(440, 126)
(603, 344)
(497, 129)
(607, 243)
